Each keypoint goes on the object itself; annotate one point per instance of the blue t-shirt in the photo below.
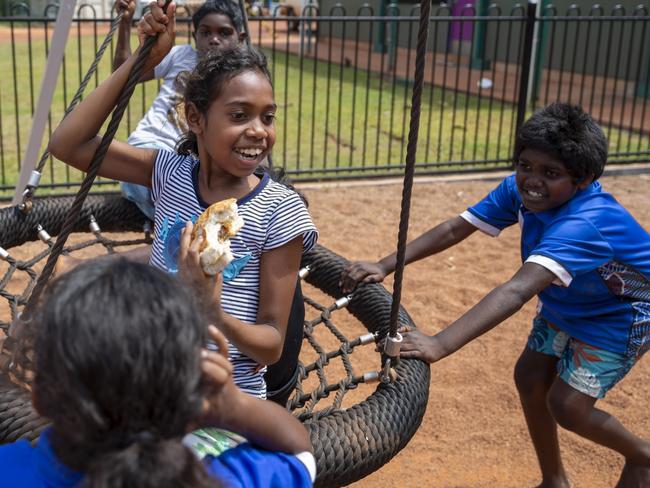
(245, 466)
(599, 253)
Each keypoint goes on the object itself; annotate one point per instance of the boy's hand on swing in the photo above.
(158, 22)
(416, 345)
(128, 6)
(361, 271)
(208, 288)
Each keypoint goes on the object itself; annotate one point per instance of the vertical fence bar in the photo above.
(637, 77)
(526, 63)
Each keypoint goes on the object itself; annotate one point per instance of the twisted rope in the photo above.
(95, 164)
(416, 102)
(82, 87)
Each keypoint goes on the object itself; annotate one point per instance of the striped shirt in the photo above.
(273, 216)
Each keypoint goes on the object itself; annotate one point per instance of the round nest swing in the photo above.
(349, 443)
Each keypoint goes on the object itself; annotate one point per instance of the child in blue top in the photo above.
(230, 112)
(121, 373)
(586, 258)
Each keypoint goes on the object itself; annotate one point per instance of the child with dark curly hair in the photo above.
(122, 373)
(588, 261)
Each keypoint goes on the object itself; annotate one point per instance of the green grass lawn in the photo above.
(330, 118)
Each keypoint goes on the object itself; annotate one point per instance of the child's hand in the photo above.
(208, 288)
(361, 271)
(416, 345)
(156, 21)
(128, 6)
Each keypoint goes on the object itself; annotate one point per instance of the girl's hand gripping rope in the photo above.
(160, 22)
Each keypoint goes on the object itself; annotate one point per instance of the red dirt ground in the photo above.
(473, 433)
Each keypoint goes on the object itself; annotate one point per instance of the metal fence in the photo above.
(343, 83)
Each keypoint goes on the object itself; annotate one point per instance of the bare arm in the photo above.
(494, 308)
(76, 138)
(264, 341)
(261, 422)
(435, 240)
(123, 45)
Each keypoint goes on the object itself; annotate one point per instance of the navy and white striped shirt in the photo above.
(273, 216)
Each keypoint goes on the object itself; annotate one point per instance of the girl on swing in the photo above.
(230, 111)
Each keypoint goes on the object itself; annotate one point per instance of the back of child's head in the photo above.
(568, 134)
(208, 78)
(222, 7)
(117, 370)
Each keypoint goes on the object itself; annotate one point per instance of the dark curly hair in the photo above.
(223, 7)
(206, 82)
(117, 369)
(568, 134)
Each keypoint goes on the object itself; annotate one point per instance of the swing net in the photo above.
(356, 422)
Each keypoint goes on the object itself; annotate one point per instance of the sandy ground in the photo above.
(473, 433)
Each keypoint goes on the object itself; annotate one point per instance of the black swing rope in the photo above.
(26, 204)
(91, 174)
(349, 443)
(391, 348)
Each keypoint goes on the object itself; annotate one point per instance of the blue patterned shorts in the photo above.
(588, 369)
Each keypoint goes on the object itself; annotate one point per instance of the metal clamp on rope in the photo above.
(392, 347)
(26, 205)
(367, 338)
(94, 226)
(4, 254)
(304, 272)
(342, 302)
(43, 235)
(371, 377)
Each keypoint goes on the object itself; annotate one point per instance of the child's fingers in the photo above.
(171, 14)
(220, 340)
(186, 237)
(217, 369)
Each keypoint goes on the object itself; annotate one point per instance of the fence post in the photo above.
(526, 62)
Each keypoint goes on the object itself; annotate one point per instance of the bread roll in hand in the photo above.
(217, 224)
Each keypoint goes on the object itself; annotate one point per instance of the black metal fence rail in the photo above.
(343, 83)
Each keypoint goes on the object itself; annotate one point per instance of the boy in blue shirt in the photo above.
(586, 258)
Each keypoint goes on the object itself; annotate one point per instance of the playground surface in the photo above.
(473, 434)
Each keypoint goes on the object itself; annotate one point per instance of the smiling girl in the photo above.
(230, 112)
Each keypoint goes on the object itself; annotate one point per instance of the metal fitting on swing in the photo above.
(342, 302)
(43, 235)
(4, 254)
(146, 228)
(94, 226)
(302, 274)
(367, 338)
(392, 347)
(371, 377)
(26, 205)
